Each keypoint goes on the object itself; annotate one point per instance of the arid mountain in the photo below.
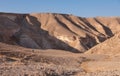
(51, 44)
(56, 31)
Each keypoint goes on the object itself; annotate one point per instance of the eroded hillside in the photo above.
(48, 44)
(56, 31)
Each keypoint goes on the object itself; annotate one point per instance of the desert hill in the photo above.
(110, 46)
(56, 31)
(51, 44)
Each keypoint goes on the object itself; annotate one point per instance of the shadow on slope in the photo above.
(39, 37)
(106, 29)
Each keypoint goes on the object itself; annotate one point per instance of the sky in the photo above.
(83, 8)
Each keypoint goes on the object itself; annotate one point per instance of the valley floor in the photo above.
(16, 61)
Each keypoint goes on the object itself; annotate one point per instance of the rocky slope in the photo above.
(48, 44)
(110, 46)
(56, 31)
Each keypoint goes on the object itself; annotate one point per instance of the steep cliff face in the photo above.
(56, 31)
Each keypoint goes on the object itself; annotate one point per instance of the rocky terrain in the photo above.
(51, 44)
